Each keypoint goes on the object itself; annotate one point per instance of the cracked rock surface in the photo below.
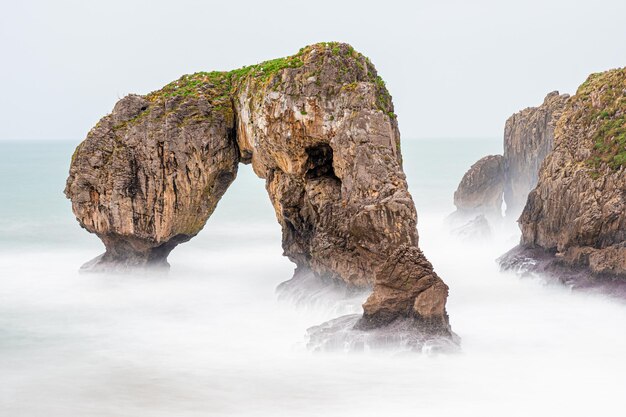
(577, 212)
(319, 128)
(480, 190)
(528, 138)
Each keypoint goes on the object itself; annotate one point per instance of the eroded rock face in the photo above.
(149, 175)
(480, 190)
(406, 282)
(528, 138)
(577, 212)
(318, 127)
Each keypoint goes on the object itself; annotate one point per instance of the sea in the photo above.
(212, 338)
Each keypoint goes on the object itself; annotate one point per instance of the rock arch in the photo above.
(318, 126)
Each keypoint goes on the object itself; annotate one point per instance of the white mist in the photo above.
(211, 339)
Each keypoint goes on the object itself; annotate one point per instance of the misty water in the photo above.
(211, 338)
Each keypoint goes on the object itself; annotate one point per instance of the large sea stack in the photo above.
(318, 126)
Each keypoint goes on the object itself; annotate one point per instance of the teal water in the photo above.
(35, 212)
(211, 339)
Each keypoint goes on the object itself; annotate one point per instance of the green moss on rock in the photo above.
(218, 88)
(601, 102)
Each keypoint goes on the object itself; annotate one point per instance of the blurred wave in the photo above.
(212, 337)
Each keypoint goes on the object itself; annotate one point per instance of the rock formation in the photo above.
(575, 218)
(150, 174)
(318, 126)
(528, 137)
(480, 190)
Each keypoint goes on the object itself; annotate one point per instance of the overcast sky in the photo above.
(454, 68)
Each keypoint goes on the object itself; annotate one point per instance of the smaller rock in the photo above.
(480, 190)
(478, 200)
(406, 282)
(476, 229)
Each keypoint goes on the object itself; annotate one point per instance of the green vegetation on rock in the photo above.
(219, 87)
(603, 100)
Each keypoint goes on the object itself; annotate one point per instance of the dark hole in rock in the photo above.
(320, 162)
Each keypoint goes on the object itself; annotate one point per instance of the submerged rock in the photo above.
(537, 262)
(576, 216)
(343, 335)
(318, 126)
(309, 290)
(476, 229)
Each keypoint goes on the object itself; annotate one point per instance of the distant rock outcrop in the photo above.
(318, 126)
(528, 137)
(480, 190)
(576, 216)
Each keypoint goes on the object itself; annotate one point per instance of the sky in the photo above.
(454, 68)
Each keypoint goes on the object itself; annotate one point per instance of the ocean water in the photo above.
(211, 338)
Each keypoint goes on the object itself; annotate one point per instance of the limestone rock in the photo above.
(406, 282)
(149, 175)
(577, 212)
(318, 126)
(480, 190)
(324, 137)
(528, 138)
